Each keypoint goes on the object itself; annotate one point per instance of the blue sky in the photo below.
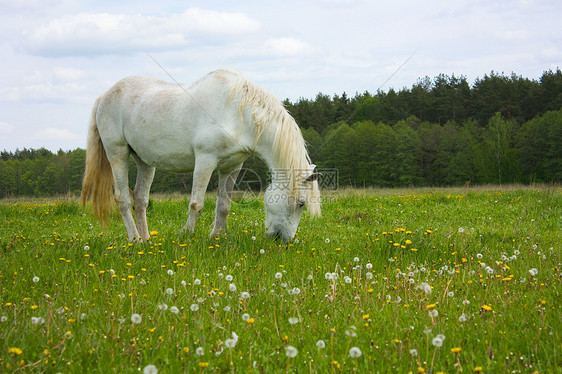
(59, 55)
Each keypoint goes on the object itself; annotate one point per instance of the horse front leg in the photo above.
(224, 198)
(204, 167)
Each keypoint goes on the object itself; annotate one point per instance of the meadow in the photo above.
(409, 280)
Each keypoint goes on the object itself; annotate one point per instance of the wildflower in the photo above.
(194, 307)
(37, 320)
(15, 350)
(293, 320)
(278, 275)
(245, 317)
(351, 332)
(465, 302)
(487, 308)
(197, 282)
(231, 342)
(413, 352)
(356, 259)
(321, 344)
(174, 310)
(326, 240)
(451, 294)
(245, 295)
(3, 319)
(433, 313)
(83, 316)
(136, 318)
(455, 350)
(162, 306)
(438, 342)
(291, 351)
(369, 275)
(183, 283)
(354, 352)
(150, 369)
(229, 278)
(169, 291)
(250, 320)
(478, 369)
(347, 279)
(489, 270)
(425, 287)
(170, 272)
(35, 279)
(86, 247)
(262, 251)
(203, 364)
(232, 287)
(462, 318)
(533, 272)
(461, 230)
(199, 351)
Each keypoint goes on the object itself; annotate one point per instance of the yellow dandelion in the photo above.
(365, 316)
(15, 350)
(478, 369)
(487, 307)
(153, 233)
(455, 350)
(250, 321)
(430, 306)
(203, 364)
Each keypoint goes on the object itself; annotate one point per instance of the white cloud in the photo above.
(42, 92)
(56, 134)
(103, 33)
(286, 47)
(6, 128)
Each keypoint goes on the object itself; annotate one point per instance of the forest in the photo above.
(440, 132)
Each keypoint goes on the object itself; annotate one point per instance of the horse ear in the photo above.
(314, 175)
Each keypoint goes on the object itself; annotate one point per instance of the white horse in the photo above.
(216, 123)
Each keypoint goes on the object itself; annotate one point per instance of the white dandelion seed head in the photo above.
(278, 275)
(354, 352)
(438, 342)
(232, 287)
(226, 308)
(296, 291)
(462, 318)
(461, 229)
(479, 256)
(293, 320)
(36, 320)
(465, 302)
(194, 307)
(413, 352)
(229, 278)
(199, 351)
(174, 310)
(489, 270)
(516, 252)
(369, 275)
(111, 272)
(356, 259)
(253, 238)
(170, 272)
(291, 351)
(326, 240)
(433, 313)
(347, 279)
(451, 294)
(169, 291)
(245, 317)
(230, 343)
(35, 279)
(245, 295)
(150, 369)
(136, 318)
(3, 319)
(262, 251)
(86, 247)
(533, 272)
(321, 344)
(369, 266)
(162, 306)
(197, 282)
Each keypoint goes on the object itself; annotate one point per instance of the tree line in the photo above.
(441, 132)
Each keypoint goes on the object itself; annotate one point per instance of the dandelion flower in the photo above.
(183, 283)
(197, 282)
(326, 240)
(15, 350)
(3, 319)
(37, 320)
(462, 318)
(369, 266)
(245, 317)
(293, 320)
(162, 306)
(230, 343)
(229, 278)
(199, 351)
(35, 279)
(533, 272)
(194, 307)
(455, 350)
(479, 256)
(425, 287)
(245, 295)
(433, 313)
(150, 369)
(354, 352)
(170, 272)
(262, 251)
(296, 291)
(169, 291)
(437, 341)
(413, 352)
(465, 302)
(321, 344)
(291, 351)
(174, 310)
(278, 275)
(232, 287)
(136, 318)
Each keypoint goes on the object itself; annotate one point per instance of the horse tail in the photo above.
(98, 178)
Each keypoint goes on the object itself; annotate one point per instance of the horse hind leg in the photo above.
(145, 176)
(118, 158)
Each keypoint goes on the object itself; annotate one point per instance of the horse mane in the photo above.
(289, 147)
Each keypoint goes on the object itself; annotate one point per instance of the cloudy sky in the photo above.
(57, 56)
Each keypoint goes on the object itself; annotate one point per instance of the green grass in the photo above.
(474, 248)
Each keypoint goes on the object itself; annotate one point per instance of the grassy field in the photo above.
(434, 280)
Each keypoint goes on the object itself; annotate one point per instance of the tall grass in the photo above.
(385, 281)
